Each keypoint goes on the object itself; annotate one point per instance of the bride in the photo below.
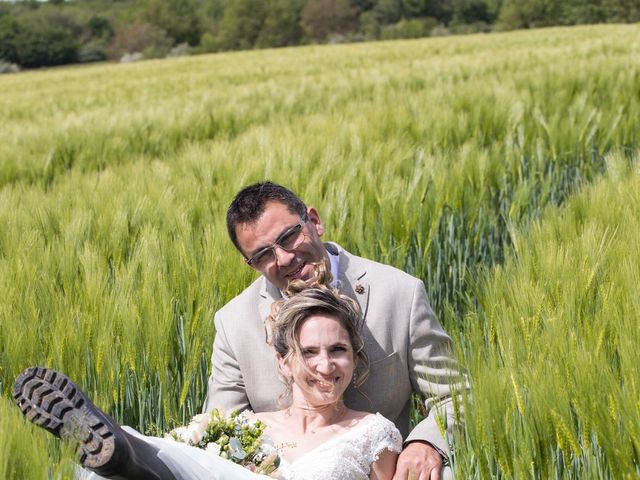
(314, 332)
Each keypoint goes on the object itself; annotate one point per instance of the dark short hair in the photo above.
(250, 203)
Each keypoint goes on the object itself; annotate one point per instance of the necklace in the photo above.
(340, 410)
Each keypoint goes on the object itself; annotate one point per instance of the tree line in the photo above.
(35, 33)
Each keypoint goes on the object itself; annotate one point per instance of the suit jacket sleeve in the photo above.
(226, 384)
(433, 371)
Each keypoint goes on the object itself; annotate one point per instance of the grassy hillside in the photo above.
(426, 154)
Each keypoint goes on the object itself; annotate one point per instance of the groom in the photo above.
(279, 237)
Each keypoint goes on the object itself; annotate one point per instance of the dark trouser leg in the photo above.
(52, 401)
(143, 462)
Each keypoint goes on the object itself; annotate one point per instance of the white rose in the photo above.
(202, 419)
(197, 427)
(267, 446)
(194, 434)
(213, 447)
(182, 433)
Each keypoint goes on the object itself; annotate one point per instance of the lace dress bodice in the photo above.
(348, 456)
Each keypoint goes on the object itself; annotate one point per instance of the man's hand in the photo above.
(418, 461)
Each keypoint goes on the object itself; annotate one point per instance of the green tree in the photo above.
(178, 18)
(241, 24)
(369, 25)
(364, 5)
(599, 11)
(529, 14)
(281, 25)
(412, 28)
(98, 33)
(625, 10)
(210, 13)
(64, 18)
(414, 8)
(388, 11)
(474, 11)
(144, 38)
(40, 42)
(322, 17)
(9, 31)
(99, 27)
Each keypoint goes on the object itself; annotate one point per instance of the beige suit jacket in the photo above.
(408, 349)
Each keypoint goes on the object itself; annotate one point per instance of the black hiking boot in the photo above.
(52, 401)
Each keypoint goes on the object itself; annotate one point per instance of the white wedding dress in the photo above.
(348, 456)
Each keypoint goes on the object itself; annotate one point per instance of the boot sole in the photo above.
(52, 401)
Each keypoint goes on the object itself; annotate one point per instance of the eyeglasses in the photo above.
(288, 241)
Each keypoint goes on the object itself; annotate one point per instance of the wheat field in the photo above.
(501, 169)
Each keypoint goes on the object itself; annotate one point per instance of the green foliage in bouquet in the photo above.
(237, 438)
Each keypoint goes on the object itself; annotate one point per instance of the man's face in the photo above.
(275, 221)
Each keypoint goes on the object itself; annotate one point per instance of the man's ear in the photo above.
(314, 218)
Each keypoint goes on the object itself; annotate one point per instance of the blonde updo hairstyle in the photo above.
(308, 298)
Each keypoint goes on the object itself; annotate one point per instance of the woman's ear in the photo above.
(284, 367)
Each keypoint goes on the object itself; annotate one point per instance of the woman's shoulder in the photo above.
(358, 416)
(375, 420)
(377, 434)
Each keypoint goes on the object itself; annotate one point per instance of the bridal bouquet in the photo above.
(236, 438)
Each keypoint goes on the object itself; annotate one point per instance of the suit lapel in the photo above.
(268, 295)
(353, 280)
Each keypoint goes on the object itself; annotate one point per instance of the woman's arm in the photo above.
(385, 466)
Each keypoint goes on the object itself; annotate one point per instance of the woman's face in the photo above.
(328, 356)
